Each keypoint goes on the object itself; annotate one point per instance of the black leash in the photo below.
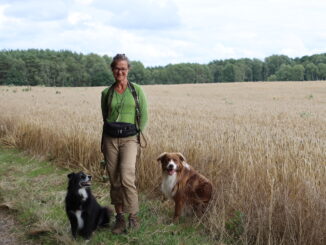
(138, 115)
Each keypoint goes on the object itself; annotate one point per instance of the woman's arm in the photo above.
(143, 109)
(104, 103)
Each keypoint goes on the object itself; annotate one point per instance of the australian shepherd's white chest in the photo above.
(181, 183)
(168, 184)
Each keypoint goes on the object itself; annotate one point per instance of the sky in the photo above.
(161, 32)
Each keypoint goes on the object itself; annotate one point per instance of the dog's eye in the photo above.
(83, 177)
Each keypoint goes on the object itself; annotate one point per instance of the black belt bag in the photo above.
(119, 129)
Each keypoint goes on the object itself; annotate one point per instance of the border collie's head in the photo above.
(172, 162)
(79, 180)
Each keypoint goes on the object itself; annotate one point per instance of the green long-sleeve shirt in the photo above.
(123, 106)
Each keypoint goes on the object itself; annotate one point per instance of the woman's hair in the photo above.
(117, 58)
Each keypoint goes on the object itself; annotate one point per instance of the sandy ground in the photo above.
(6, 225)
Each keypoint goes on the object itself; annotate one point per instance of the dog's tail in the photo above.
(106, 214)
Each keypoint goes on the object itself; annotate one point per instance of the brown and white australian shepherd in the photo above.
(183, 184)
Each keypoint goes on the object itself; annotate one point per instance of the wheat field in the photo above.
(263, 145)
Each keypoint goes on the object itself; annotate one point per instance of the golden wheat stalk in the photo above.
(261, 144)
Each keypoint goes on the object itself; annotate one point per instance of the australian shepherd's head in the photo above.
(172, 163)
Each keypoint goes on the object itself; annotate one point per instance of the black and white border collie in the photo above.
(83, 211)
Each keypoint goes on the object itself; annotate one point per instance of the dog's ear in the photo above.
(70, 175)
(181, 157)
(159, 158)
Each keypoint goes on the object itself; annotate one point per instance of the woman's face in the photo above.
(120, 71)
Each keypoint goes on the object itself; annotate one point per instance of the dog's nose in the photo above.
(90, 177)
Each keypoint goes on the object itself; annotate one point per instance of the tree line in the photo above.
(67, 68)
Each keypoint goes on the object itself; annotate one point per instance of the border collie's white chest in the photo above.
(78, 213)
(79, 218)
(83, 193)
(168, 183)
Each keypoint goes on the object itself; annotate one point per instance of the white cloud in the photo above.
(78, 17)
(159, 32)
(140, 14)
(37, 10)
(3, 18)
(85, 2)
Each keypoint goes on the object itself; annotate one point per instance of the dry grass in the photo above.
(262, 144)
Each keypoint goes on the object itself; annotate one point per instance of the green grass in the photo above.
(35, 191)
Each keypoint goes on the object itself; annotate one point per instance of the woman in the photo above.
(124, 110)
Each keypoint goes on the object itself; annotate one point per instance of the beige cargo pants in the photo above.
(121, 155)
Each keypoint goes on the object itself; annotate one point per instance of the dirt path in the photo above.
(6, 225)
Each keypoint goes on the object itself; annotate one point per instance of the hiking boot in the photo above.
(120, 224)
(133, 222)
